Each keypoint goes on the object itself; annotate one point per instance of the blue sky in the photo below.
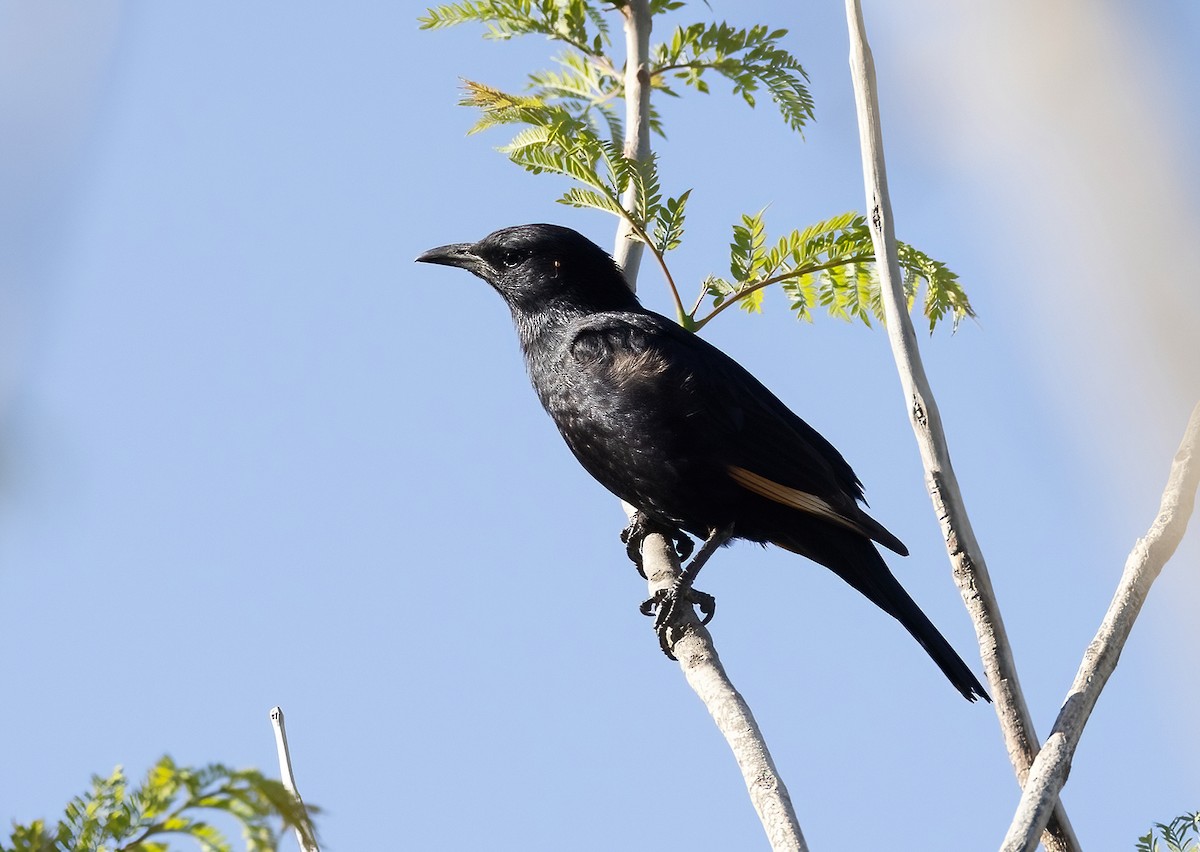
(253, 455)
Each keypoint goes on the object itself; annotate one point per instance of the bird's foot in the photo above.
(671, 607)
(683, 544)
(639, 527)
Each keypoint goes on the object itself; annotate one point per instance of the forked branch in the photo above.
(966, 558)
(1146, 560)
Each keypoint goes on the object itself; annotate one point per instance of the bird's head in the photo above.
(538, 268)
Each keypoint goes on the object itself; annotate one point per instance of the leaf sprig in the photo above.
(830, 264)
(590, 91)
(113, 816)
(748, 57)
(575, 22)
(570, 125)
(557, 141)
(1181, 834)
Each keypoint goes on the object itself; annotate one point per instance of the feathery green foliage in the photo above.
(1181, 834)
(569, 123)
(830, 264)
(113, 817)
(749, 58)
(587, 90)
(556, 141)
(575, 22)
(668, 227)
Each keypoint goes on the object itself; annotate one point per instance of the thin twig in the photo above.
(307, 843)
(1146, 560)
(633, 229)
(967, 563)
(737, 296)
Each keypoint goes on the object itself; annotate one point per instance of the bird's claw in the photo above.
(632, 537)
(640, 527)
(670, 608)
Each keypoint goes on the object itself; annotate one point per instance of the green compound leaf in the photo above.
(830, 264)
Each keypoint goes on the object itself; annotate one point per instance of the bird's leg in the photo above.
(673, 603)
(641, 526)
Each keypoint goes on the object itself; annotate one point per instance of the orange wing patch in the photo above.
(793, 497)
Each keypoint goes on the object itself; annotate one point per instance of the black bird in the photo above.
(679, 430)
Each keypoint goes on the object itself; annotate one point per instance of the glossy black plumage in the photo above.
(673, 426)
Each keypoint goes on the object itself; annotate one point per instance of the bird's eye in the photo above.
(512, 257)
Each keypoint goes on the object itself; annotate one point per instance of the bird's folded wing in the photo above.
(766, 436)
(766, 447)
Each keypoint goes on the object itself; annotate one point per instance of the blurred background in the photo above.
(251, 455)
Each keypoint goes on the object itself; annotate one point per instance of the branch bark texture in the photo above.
(695, 651)
(967, 563)
(1053, 764)
(702, 667)
(627, 252)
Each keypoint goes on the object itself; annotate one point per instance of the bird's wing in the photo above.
(766, 448)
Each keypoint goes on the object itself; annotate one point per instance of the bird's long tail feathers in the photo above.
(856, 561)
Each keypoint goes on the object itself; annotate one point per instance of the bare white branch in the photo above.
(1145, 562)
(702, 667)
(967, 563)
(695, 651)
(627, 252)
(307, 844)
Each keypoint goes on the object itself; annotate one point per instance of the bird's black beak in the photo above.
(458, 254)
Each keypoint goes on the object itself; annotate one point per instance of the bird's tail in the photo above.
(856, 561)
